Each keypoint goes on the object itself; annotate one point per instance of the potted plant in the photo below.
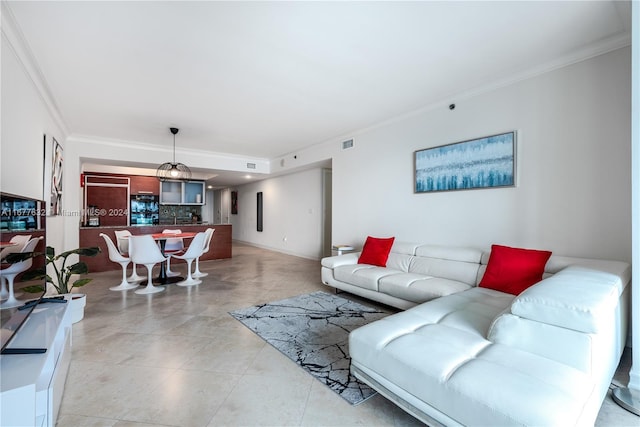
(62, 281)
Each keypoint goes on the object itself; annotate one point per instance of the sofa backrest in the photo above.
(455, 263)
(401, 255)
(558, 262)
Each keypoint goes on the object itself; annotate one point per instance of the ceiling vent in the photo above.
(347, 144)
(251, 165)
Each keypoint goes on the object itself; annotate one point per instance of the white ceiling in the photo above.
(265, 79)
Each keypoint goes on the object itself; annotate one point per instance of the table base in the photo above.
(167, 280)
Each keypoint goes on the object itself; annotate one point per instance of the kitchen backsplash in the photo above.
(179, 214)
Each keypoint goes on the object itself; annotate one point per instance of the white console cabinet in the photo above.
(32, 384)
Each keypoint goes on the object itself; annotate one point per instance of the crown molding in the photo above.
(602, 47)
(15, 39)
(122, 143)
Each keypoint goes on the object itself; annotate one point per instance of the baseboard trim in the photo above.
(270, 248)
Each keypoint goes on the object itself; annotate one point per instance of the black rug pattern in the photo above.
(313, 331)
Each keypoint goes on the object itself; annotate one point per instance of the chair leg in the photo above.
(149, 289)
(4, 293)
(189, 281)
(124, 285)
(11, 300)
(197, 273)
(169, 272)
(134, 278)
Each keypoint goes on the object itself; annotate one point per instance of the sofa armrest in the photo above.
(576, 298)
(336, 261)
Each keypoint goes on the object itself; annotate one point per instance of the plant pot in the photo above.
(77, 303)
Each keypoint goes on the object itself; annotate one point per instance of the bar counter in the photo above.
(90, 236)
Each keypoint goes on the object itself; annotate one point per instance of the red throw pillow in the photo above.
(512, 270)
(376, 251)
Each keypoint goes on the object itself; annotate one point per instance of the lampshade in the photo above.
(173, 170)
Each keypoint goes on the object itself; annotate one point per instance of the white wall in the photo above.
(573, 172)
(573, 191)
(634, 373)
(292, 214)
(25, 119)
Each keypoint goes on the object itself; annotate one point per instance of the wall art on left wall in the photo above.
(234, 203)
(53, 169)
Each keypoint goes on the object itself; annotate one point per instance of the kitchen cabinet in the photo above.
(110, 205)
(182, 193)
(106, 200)
(145, 185)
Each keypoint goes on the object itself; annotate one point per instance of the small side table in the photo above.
(341, 249)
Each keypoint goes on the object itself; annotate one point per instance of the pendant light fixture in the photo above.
(173, 170)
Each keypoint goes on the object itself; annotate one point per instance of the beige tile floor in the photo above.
(178, 359)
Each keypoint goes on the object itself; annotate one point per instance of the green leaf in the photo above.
(16, 257)
(33, 289)
(78, 268)
(81, 282)
(80, 251)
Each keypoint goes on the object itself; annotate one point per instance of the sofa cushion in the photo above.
(376, 251)
(362, 275)
(418, 287)
(513, 270)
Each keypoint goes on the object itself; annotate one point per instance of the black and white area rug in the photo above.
(313, 331)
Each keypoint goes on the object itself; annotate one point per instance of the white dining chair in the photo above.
(144, 250)
(207, 241)
(117, 257)
(20, 240)
(13, 270)
(172, 245)
(122, 237)
(193, 251)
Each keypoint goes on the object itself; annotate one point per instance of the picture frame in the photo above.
(53, 175)
(234, 203)
(259, 226)
(480, 163)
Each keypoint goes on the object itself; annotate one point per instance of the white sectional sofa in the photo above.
(414, 273)
(476, 356)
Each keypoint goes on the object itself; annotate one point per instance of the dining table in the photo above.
(161, 238)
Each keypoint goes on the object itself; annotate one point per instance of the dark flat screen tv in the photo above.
(21, 216)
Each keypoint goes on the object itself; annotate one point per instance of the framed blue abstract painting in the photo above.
(486, 162)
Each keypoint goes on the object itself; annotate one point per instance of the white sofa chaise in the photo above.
(483, 357)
